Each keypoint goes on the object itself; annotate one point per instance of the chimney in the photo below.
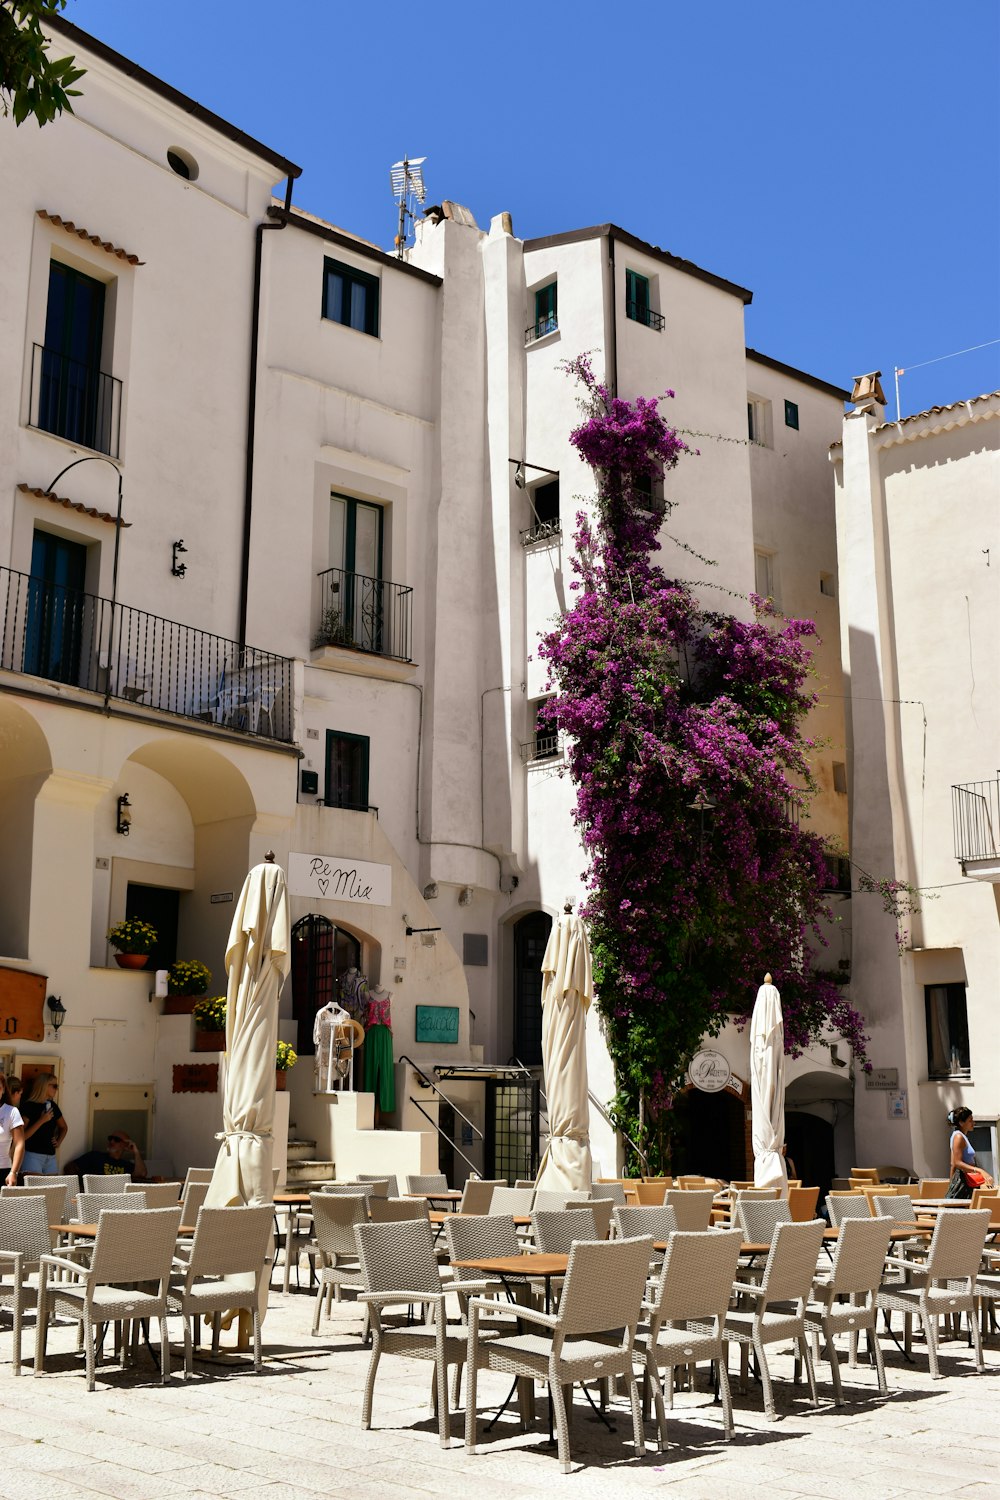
(867, 395)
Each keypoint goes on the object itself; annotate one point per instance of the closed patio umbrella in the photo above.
(257, 960)
(567, 990)
(767, 1088)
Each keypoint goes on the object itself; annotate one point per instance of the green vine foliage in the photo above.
(686, 748)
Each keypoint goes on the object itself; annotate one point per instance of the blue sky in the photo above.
(841, 161)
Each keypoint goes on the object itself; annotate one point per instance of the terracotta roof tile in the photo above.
(85, 510)
(95, 239)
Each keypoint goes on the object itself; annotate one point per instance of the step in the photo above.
(308, 1170)
(299, 1150)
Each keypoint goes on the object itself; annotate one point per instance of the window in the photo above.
(759, 421)
(350, 297)
(353, 604)
(75, 400)
(650, 493)
(763, 565)
(838, 873)
(546, 313)
(840, 778)
(947, 1031)
(58, 630)
(638, 305)
(531, 934)
(544, 742)
(160, 907)
(792, 415)
(543, 500)
(827, 585)
(347, 770)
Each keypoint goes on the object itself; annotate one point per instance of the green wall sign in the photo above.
(437, 1023)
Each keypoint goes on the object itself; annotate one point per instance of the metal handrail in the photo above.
(364, 614)
(640, 314)
(431, 1121)
(429, 1083)
(592, 1097)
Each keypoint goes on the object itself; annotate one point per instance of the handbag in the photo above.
(975, 1179)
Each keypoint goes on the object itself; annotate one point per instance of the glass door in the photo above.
(54, 631)
(356, 549)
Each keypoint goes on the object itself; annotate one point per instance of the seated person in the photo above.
(122, 1155)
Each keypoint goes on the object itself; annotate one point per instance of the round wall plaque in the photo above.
(709, 1071)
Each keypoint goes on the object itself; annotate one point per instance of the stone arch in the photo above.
(25, 765)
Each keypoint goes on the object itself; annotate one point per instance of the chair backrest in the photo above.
(521, 1182)
(664, 1182)
(394, 1210)
(196, 1174)
(508, 1200)
(351, 1189)
(612, 1191)
(802, 1203)
(758, 1220)
(602, 1209)
(657, 1220)
(957, 1243)
(982, 1197)
(389, 1178)
(477, 1193)
(604, 1286)
(114, 1182)
(690, 1180)
(428, 1182)
(70, 1185)
(231, 1241)
(158, 1194)
(556, 1230)
(870, 1174)
(898, 1206)
(841, 1206)
(696, 1279)
(859, 1258)
(134, 1246)
(759, 1195)
(90, 1206)
(471, 1237)
(791, 1260)
(398, 1257)
(379, 1186)
(647, 1194)
(334, 1218)
(193, 1197)
(55, 1199)
(24, 1225)
(932, 1187)
(693, 1207)
(547, 1200)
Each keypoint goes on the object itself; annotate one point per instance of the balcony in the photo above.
(75, 401)
(540, 327)
(975, 816)
(641, 314)
(545, 746)
(84, 641)
(370, 615)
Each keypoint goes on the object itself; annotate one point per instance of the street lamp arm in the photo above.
(91, 458)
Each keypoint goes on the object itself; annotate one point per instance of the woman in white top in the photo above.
(11, 1137)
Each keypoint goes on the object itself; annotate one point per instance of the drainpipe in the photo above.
(252, 412)
(613, 360)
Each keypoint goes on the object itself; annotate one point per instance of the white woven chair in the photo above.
(556, 1231)
(591, 1337)
(391, 1185)
(476, 1194)
(158, 1194)
(92, 1205)
(943, 1285)
(856, 1275)
(507, 1200)
(70, 1184)
(338, 1267)
(693, 1206)
(694, 1288)
(197, 1174)
(126, 1279)
(24, 1238)
(397, 1210)
(428, 1182)
(226, 1266)
(55, 1199)
(841, 1206)
(759, 1218)
(110, 1182)
(192, 1199)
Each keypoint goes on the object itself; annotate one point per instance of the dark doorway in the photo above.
(512, 1128)
(53, 641)
(160, 907)
(711, 1138)
(810, 1145)
(531, 934)
(321, 954)
(71, 403)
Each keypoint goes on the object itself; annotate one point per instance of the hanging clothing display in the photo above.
(335, 1037)
(380, 1076)
(354, 995)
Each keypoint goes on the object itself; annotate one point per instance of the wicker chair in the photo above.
(787, 1278)
(547, 1200)
(856, 1274)
(364, 1186)
(24, 1238)
(943, 1284)
(841, 1206)
(508, 1200)
(609, 1190)
(556, 1231)
(602, 1209)
(113, 1182)
(70, 1184)
(592, 1336)
(192, 1199)
(399, 1267)
(391, 1185)
(476, 1194)
(92, 1205)
(379, 1186)
(659, 1221)
(932, 1187)
(692, 1206)
(197, 1174)
(158, 1194)
(397, 1210)
(127, 1278)
(334, 1218)
(759, 1219)
(647, 1194)
(55, 1199)
(429, 1182)
(694, 1286)
(802, 1203)
(226, 1267)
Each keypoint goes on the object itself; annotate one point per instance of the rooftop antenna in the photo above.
(407, 178)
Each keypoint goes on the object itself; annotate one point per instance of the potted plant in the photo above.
(210, 1024)
(284, 1058)
(133, 941)
(186, 980)
(333, 630)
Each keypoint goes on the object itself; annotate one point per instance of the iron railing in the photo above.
(64, 635)
(542, 747)
(74, 400)
(975, 814)
(365, 614)
(640, 314)
(540, 327)
(542, 531)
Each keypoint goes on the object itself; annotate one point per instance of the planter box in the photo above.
(281, 1079)
(209, 1041)
(179, 1005)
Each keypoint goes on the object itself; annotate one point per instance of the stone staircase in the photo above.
(303, 1168)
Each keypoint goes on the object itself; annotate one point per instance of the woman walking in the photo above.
(966, 1176)
(11, 1137)
(44, 1125)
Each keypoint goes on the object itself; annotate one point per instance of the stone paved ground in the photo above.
(295, 1432)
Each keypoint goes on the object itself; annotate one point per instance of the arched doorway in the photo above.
(531, 934)
(321, 954)
(713, 1136)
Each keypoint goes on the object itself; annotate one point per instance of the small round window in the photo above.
(183, 163)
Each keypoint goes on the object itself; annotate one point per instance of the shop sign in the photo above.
(882, 1078)
(437, 1023)
(709, 1071)
(22, 998)
(332, 877)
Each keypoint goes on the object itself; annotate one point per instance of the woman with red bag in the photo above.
(966, 1176)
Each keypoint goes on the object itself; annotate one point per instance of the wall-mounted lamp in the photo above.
(124, 823)
(57, 1012)
(176, 568)
(430, 891)
(465, 895)
(411, 930)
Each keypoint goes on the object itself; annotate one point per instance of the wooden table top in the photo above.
(89, 1231)
(441, 1216)
(445, 1195)
(291, 1197)
(516, 1265)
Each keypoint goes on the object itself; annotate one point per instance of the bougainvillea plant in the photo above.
(686, 747)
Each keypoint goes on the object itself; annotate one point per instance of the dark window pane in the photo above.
(791, 415)
(350, 297)
(545, 499)
(347, 771)
(946, 1015)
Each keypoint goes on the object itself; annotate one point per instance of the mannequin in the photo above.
(380, 1078)
(335, 1037)
(353, 988)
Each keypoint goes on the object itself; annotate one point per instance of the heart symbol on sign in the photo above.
(324, 886)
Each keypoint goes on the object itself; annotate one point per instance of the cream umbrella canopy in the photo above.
(767, 1089)
(257, 960)
(567, 990)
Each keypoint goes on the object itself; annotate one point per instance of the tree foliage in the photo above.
(31, 82)
(690, 765)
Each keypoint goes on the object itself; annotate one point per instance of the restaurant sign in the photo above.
(709, 1071)
(332, 877)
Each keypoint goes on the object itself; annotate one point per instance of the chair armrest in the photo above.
(747, 1289)
(545, 1320)
(379, 1299)
(62, 1263)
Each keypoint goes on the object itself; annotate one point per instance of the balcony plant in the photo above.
(210, 1024)
(333, 631)
(133, 941)
(285, 1057)
(186, 980)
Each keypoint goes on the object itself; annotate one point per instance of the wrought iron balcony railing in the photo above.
(84, 641)
(364, 614)
(542, 747)
(975, 812)
(640, 314)
(542, 531)
(75, 401)
(540, 327)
